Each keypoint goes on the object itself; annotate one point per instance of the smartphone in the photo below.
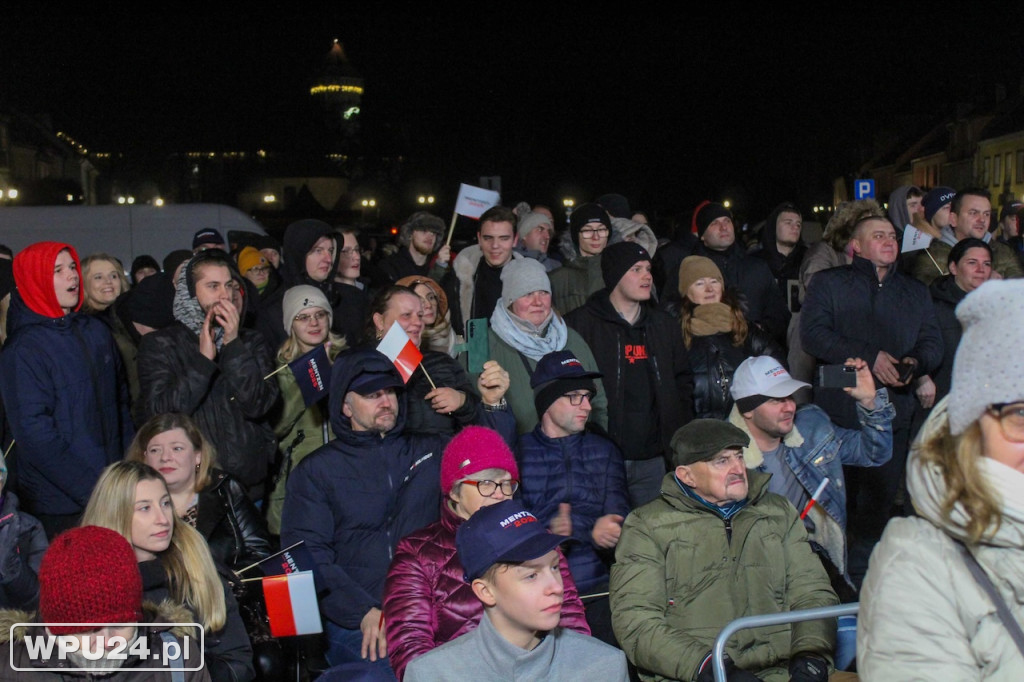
(477, 346)
(905, 368)
(837, 376)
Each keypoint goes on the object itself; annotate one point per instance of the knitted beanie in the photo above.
(587, 213)
(522, 276)
(300, 297)
(617, 259)
(935, 199)
(707, 213)
(249, 258)
(532, 221)
(696, 267)
(475, 449)
(983, 372)
(89, 575)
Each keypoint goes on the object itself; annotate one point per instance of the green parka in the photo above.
(679, 579)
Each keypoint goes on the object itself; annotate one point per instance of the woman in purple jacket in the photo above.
(427, 601)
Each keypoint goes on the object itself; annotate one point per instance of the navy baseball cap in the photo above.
(502, 532)
(561, 364)
(207, 235)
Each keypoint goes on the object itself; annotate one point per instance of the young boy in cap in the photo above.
(511, 563)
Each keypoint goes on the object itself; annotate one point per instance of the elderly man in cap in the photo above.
(801, 448)
(717, 545)
(353, 499)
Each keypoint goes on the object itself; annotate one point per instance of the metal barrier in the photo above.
(718, 652)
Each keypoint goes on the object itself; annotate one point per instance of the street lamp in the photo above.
(727, 203)
(425, 198)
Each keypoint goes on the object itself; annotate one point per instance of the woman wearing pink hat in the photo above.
(427, 601)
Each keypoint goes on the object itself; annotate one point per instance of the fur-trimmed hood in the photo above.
(166, 611)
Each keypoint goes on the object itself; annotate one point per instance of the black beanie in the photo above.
(552, 391)
(618, 258)
(709, 213)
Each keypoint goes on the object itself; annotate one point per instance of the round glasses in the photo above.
(487, 488)
(319, 316)
(1011, 420)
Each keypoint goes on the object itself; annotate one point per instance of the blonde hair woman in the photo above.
(103, 280)
(930, 604)
(132, 499)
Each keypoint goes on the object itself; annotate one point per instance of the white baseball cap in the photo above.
(763, 375)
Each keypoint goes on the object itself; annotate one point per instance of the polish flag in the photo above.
(400, 350)
(291, 604)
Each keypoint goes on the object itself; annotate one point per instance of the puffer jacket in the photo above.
(63, 389)
(946, 296)
(152, 636)
(427, 602)
(573, 283)
(609, 336)
(682, 573)
(227, 396)
(352, 500)
(231, 524)
(585, 471)
(22, 545)
(714, 359)
(922, 614)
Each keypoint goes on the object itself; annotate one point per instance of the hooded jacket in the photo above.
(63, 389)
(574, 282)
(683, 572)
(427, 602)
(22, 545)
(353, 499)
(460, 285)
(226, 396)
(922, 614)
(153, 637)
(784, 267)
(614, 341)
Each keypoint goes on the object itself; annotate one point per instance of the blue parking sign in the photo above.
(863, 189)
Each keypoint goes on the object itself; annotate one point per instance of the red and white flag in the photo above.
(291, 604)
(400, 350)
(474, 201)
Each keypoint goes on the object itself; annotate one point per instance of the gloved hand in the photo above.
(732, 673)
(808, 669)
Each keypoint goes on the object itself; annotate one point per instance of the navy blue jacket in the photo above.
(584, 470)
(353, 499)
(67, 404)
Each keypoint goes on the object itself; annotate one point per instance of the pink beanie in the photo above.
(474, 449)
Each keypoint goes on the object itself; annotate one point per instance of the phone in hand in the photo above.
(837, 376)
(905, 368)
(477, 346)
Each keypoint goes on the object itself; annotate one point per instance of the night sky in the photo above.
(667, 108)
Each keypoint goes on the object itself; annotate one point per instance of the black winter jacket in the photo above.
(22, 545)
(226, 397)
(946, 295)
(671, 376)
(233, 528)
(848, 313)
(714, 360)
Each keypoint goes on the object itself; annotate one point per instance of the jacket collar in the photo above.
(752, 454)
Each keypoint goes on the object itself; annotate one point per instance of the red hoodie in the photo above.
(33, 275)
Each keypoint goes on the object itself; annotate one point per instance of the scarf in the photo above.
(711, 318)
(726, 511)
(188, 311)
(532, 341)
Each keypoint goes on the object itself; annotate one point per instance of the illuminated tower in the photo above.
(338, 90)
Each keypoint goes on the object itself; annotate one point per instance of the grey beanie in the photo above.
(530, 221)
(300, 297)
(984, 373)
(522, 276)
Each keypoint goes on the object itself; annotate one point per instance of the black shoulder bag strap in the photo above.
(1002, 610)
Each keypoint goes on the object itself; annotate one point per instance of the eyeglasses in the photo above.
(576, 399)
(260, 269)
(1011, 420)
(348, 253)
(488, 488)
(591, 232)
(319, 316)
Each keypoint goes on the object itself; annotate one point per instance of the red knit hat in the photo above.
(474, 449)
(89, 575)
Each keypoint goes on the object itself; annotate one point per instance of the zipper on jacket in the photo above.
(728, 530)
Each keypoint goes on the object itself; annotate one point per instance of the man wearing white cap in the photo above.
(802, 447)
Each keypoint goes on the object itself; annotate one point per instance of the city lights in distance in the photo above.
(324, 89)
(369, 203)
(269, 198)
(425, 199)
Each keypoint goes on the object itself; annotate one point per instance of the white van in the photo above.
(122, 231)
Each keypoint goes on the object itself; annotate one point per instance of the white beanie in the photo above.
(984, 372)
(300, 297)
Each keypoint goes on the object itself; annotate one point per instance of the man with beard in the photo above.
(418, 239)
(801, 447)
(353, 499)
(209, 367)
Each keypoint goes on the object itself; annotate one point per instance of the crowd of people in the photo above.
(610, 446)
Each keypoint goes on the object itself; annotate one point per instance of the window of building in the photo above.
(1007, 169)
(986, 171)
(997, 170)
(1020, 166)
